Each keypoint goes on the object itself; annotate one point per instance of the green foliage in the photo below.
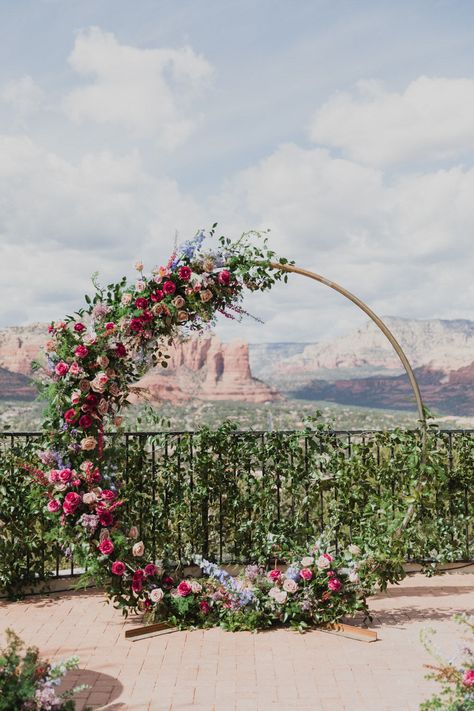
(27, 682)
(247, 496)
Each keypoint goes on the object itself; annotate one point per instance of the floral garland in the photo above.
(316, 588)
(93, 359)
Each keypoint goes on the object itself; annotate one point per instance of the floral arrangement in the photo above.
(315, 589)
(92, 360)
(456, 675)
(29, 683)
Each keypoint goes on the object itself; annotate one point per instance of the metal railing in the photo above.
(199, 492)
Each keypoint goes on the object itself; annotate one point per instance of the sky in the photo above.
(346, 128)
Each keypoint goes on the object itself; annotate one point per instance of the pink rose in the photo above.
(108, 495)
(334, 584)
(106, 547)
(138, 549)
(65, 475)
(61, 368)
(53, 476)
(88, 443)
(468, 677)
(306, 573)
(79, 327)
(169, 287)
(224, 277)
(102, 361)
(71, 502)
(184, 273)
(54, 505)
(184, 589)
(76, 397)
(126, 299)
(118, 568)
(140, 285)
(323, 562)
(81, 351)
(328, 557)
(274, 575)
(133, 532)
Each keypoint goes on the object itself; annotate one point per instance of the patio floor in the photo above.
(277, 670)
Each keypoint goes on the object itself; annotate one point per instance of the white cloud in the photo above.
(23, 95)
(432, 120)
(149, 91)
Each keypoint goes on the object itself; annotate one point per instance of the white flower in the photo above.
(140, 285)
(156, 595)
(290, 586)
(323, 563)
(353, 576)
(273, 592)
(353, 549)
(307, 561)
(280, 597)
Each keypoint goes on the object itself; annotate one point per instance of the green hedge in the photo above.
(244, 496)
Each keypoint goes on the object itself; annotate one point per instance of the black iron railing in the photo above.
(234, 495)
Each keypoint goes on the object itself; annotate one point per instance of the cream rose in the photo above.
(88, 443)
(178, 302)
(290, 586)
(156, 595)
(307, 561)
(138, 549)
(196, 587)
(102, 407)
(182, 316)
(102, 361)
(133, 532)
(280, 597)
(323, 562)
(126, 299)
(205, 295)
(353, 549)
(89, 498)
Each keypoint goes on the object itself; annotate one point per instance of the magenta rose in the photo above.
(328, 557)
(120, 350)
(70, 416)
(53, 506)
(168, 581)
(150, 570)
(85, 421)
(306, 573)
(79, 327)
(105, 518)
(224, 277)
(146, 317)
(184, 588)
(334, 584)
(184, 273)
(136, 325)
(204, 607)
(139, 574)
(141, 302)
(118, 568)
(61, 368)
(106, 547)
(274, 575)
(468, 677)
(65, 475)
(81, 351)
(137, 585)
(157, 296)
(169, 287)
(108, 495)
(71, 502)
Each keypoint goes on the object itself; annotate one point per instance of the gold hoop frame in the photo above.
(291, 268)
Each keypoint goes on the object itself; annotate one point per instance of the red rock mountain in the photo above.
(200, 368)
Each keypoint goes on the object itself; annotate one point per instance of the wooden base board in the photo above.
(137, 633)
(159, 628)
(359, 633)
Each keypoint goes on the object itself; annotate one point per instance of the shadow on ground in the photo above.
(103, 689)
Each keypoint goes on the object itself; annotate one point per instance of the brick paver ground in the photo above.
(277, 670)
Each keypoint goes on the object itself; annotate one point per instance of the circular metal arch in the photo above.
(376, 319)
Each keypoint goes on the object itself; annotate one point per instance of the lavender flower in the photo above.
(293, 573)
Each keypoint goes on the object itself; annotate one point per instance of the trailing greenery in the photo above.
(247, 496)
